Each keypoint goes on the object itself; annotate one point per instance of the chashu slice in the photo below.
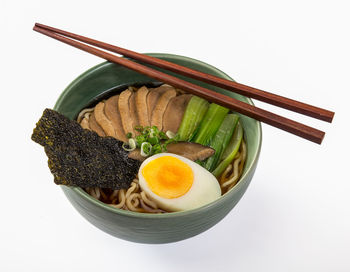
(124, 110)
(102, 119)
(153, 97)
(141, 106)
(133, 112)
(174, 112)
(112, 113)
(159, 109)
(94, 126)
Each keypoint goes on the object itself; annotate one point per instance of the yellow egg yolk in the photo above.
(168, 177)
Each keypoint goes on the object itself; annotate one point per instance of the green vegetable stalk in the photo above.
(230, 151)
(193, 115)
(210, 124)
(221, 140)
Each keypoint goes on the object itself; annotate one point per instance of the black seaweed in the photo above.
(79, 157)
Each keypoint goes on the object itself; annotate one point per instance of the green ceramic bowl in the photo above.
(106, 78)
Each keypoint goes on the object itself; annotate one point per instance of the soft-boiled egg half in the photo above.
(176, 183)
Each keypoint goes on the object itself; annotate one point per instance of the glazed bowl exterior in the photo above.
(106, 78)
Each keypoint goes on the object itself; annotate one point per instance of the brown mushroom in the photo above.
(124, 110)
(162, 103)
(112, 113)
(174, 112)
(102, 119)
(192, 151)
(141, 106)
(95, 126)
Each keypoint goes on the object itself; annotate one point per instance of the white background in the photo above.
(295, 216)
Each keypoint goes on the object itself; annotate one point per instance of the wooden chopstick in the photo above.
(267, 117)
(274, 99)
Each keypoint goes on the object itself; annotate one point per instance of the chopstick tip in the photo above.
(38, 25)
(320, 139)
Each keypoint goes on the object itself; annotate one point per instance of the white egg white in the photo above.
(205, 187)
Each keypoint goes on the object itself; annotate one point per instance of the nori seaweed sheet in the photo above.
(79, 157)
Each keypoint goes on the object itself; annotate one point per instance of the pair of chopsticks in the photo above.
(262, 115)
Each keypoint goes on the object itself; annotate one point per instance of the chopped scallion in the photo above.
(146, 149)
(170, 134)
(130, 146)
(150, 140)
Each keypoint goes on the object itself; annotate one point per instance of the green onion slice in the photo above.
(146, 149)
(130, 146)
(170, 134)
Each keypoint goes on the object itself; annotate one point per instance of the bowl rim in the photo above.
(79, 191)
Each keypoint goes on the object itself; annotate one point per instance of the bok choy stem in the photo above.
(194, 113)
(230, 151)
(210, 124)
(221, 139)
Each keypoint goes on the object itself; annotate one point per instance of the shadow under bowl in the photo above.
(107, 79)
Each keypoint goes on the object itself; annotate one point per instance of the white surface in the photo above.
(295, 215)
